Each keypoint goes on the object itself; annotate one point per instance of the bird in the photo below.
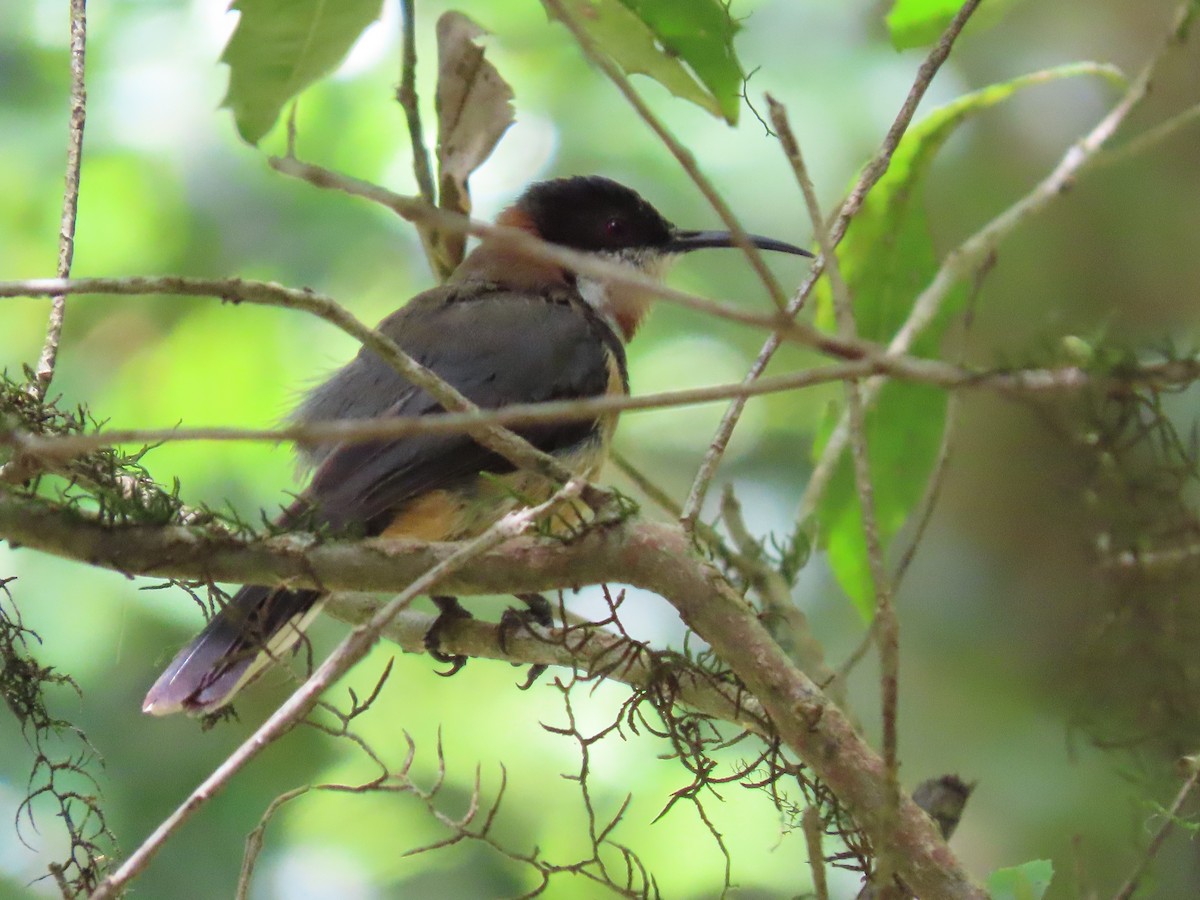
(504, 328)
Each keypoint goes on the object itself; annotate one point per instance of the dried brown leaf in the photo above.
(474, 109)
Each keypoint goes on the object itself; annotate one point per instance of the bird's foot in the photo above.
(450, 611)
(537, 612)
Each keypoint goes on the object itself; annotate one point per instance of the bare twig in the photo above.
(745, 556)
(1169, 373)
(933, 487)
(1149, 138)
(366, 430)
(870, 175)
(504, 442)
(406, 96)
(410, 102)
(254, 840)
(862, 354)
(682, 155)
(1170, 817)
(888, 629)
(587, 649)
(653, 491)
(57, 447)
(879, 164)
(44, 371)
(353, 648)
(415, 210)
(780, 614)
(814, 828)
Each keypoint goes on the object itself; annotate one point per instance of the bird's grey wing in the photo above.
(496, 348)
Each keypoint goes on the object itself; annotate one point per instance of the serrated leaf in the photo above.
(700, 33)
(474, 109)
(918, 23)
(280, 47)
(887, 257)
(1028, 881)
(634, 46)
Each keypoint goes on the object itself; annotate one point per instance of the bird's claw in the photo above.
(537, 612)
(449, 612)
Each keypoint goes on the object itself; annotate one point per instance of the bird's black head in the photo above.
(591, 214)
(597, 215)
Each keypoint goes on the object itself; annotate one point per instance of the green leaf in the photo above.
(1024, 882)
(656, 38)
(917, 23)
(701, 34)
(887, 258)
(280, 47)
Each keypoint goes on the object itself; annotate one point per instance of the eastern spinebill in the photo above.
(504, 329)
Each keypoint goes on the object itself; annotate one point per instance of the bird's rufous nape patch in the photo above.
(515, 217)
(491, 260)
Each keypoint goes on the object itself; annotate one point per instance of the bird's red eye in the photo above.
(614, 229)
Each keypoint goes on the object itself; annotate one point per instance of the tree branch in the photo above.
(657, 557)
(585, 648)
(353, 648)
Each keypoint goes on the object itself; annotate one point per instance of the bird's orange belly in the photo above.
(455, 514)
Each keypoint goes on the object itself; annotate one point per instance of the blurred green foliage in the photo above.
(1025, 882)
(916, 23)
(279, 49)
(1001, 602)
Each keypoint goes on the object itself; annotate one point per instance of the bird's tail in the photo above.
(258, 626)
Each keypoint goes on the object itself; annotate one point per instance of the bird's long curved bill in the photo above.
(686, 241)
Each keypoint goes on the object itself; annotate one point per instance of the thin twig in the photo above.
(870, 175)
(44, 371)
(1170, 817)
(367, 430)
(814, 829)
(353, 648)
(53, 447)
(509, 445)
(583, 647)
(781, 616)
(653, 492)
(410, 102)
(415, 210)
(406, 96)
(746, 559)
(879, 165)
(933, 487)
(976, 251)
(1020, 381)
(254, 840)
(682, 155)
(888, 630)
(1148, 138)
